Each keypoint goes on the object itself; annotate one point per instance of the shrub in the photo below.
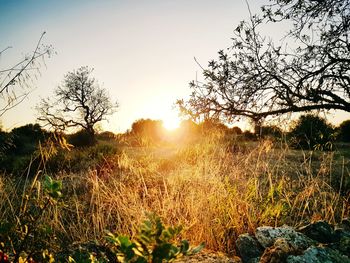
(311, 131)
(249, 135)
(213, 125)
(154, 243)
(106, 136)
(236, 130)
(6, 143)
(80, 159)
(23, 140)
(344, 131)
(271, 131)
(25, 233)
(81, 139)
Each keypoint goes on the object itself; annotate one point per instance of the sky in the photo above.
(142, 52)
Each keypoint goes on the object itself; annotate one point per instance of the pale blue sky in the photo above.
(142, 51)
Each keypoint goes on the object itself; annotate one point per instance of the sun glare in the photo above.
(171, 124)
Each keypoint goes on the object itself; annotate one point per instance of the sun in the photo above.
(171, 124)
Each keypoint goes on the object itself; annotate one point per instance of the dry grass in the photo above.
(216, 194)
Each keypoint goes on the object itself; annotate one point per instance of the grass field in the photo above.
(215, 188)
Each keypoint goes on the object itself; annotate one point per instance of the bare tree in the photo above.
(79, 102)
(255, 77)
(16, 80)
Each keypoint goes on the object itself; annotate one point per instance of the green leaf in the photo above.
(197, 249)
(52, 187)
(124, 241)
(184, 247)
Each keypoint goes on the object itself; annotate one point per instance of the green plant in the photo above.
(82, 139)
(344, 131)
(312, 132)
(154, 243)
(25, 233)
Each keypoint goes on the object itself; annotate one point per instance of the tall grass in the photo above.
(216, 191)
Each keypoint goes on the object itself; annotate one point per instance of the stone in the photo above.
(208, 257)
(344, 245)
(342, 230)
(345, 224)
(340, 233)
(267, 236)
(248, 248)
(254, 260)
(318, 255)
(320, 231)
(279, 252)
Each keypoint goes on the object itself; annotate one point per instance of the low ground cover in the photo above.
(215, 188)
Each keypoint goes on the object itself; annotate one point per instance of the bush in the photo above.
(19, 148)
(80, 159)
(106, 136)
(271, 131)
(146, 132)
(236, 130)
(311, 131)
(154, 243)
(5, 143)
(25, 234)
(247, 135)
(344, 131)
(25, 139)
(81, 139)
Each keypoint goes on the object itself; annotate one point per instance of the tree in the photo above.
(344, 131)
(210, 125)
(236, 130)
(25, 139)
(257, 78)
(147, 131)
(15, 80)
(271, 131)
(79, 103)
(310, 131)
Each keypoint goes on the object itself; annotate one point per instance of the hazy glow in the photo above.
(171, 124)
(142, 51)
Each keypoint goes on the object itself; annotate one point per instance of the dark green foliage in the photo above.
(25, 139)
(344, 131)
(5, 143)
(22, 156)
(311, 131)
(270, 131)
(106, 136)
(18, 147)
(24, 233)
(154, 243)
(82, 138)
(80, 159)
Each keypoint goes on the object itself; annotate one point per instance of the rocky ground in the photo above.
(210, 257)
(315, 243)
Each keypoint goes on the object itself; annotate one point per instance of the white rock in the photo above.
(267, 236)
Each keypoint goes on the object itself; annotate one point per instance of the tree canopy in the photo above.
(311, 131)
(79, 102)
(147, 131)
(257, 77)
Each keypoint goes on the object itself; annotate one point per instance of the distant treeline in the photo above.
(24, 145)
